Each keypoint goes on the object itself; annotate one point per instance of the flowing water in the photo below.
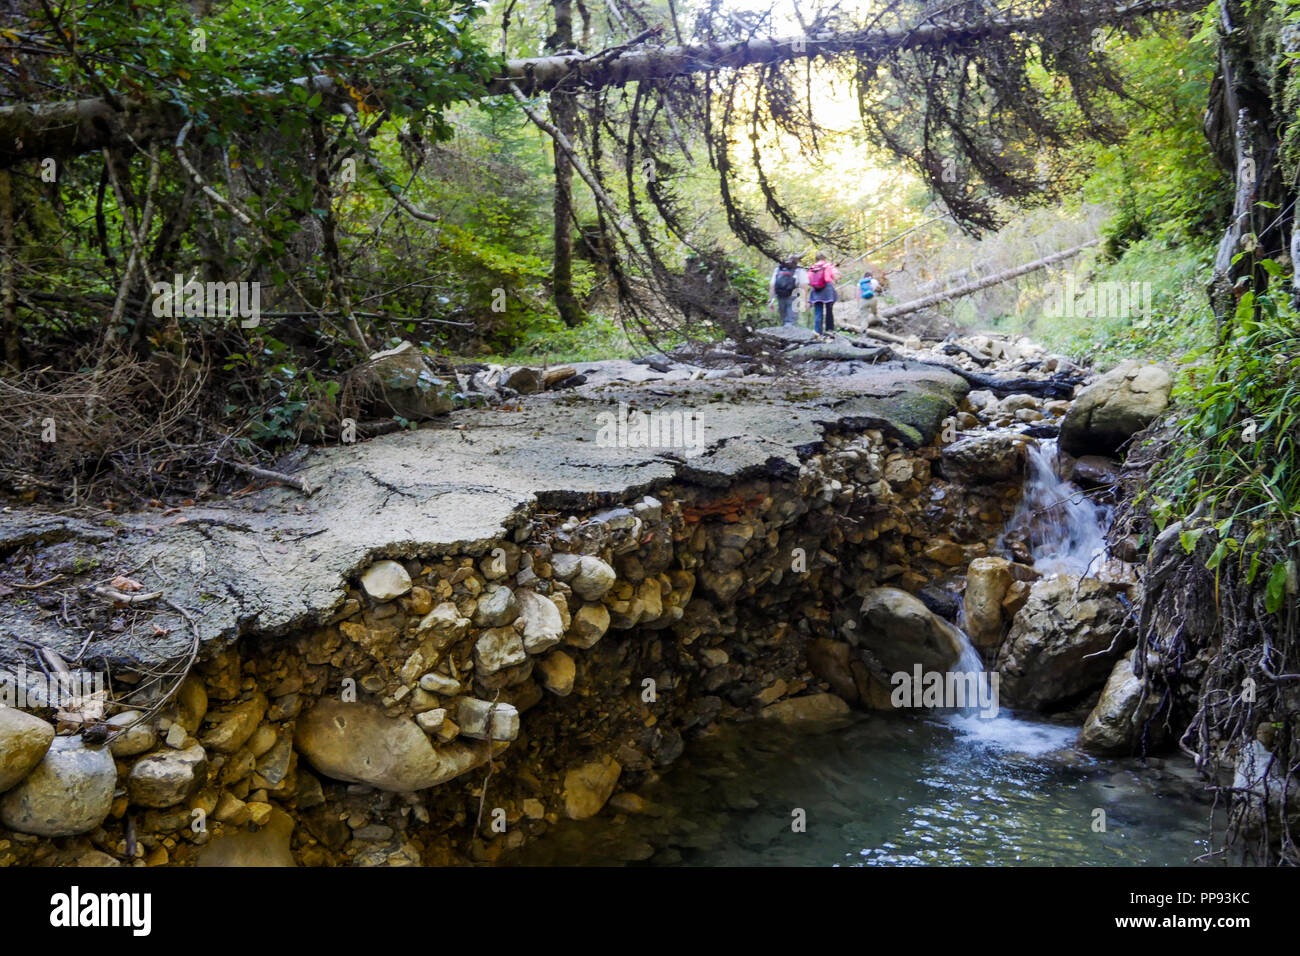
(1065, 530)
(961, 787)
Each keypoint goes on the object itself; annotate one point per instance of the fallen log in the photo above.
(971, 288)
(1058, 386)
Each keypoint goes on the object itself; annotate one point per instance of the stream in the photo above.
(942, 788)
(887, 790)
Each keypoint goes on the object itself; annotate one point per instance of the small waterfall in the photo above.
(1065, 531)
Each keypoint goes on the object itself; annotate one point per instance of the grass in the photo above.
(1178, 322)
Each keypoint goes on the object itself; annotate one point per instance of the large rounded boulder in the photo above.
(1114, 408)
(902, 632)
(69, 792)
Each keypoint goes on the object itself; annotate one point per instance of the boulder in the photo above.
(386, 580)
(139, 737)
(403, 380)
(588, 788)
(1115, 726)
(987, 583)
(232, 726)
(24, 739)
(986, 459)
(527, 381)
(498, 648)
(589, 625)
(1115, 407)
(69, 792)
(543, 626)
(359, 743)
(1063, 643)
(832, 661)
(497, 607)
(557, 672)
(809, 709)
(485, 720)
(1094, 471)
(167, 778)
(593, 579)
(902, 632)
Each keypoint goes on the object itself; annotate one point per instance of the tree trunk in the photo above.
(564, 111)
(1246, 118)
(971, 288)
(30, 131)
(8, 273)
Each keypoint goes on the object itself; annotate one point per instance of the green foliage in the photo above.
(1180, 319)
(1162, 179)
(1235, 464)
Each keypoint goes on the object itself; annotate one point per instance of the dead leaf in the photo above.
(123, 583)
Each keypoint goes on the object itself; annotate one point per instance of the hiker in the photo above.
(868, 308)
(784, 288)
(822, 295)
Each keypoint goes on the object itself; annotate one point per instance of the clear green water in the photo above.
(889, 790)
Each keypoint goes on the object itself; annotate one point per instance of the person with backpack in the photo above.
(822, 295)
(868, 303)
(784, 287)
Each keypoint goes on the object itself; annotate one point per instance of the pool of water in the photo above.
(886, 790)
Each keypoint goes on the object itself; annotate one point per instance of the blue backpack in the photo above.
(867, 288)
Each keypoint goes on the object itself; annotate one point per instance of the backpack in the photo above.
(819, 276)
(785, 283)
(867, 287)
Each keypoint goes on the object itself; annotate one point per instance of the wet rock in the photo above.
(167, 778)
(557, 672)
(386, 580)
(987, 582)
(986, 459)
(901, 632)
(1063, 643)
(24, 739)
(945, 552)
(1115, 407)
(588, 788)
(267, 846)
(485, 720)
(1016, 597)
(1094, 471)
(1114, 728)
(543, 626)
(497, 607)
(359, 743)
(69, 792)
(593, 579)
(589, 625)
(831, 661)
(939, 601)
(809, 709)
